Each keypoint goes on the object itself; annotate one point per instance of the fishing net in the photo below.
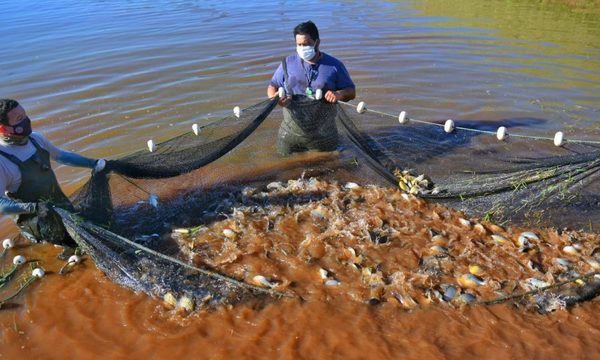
(170, 221)
(527, 180)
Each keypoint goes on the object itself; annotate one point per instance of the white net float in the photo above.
(38, 272)
(196, 129)
(151, 145)
(361, 107)
(318, 94)
(237, 112)
(8, 243)
(74, 259)
(501, 134)
(402, 119)
(449, 126)
(559, 138)
(19, 260)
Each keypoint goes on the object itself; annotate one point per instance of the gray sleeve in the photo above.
(63, 156)
(73, 159)
(47, 145)
(11, 207)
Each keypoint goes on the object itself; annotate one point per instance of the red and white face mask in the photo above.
(17, 133)
(22, 128)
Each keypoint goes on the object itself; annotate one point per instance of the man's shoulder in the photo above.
(327, 59)
(38, 136)
(293, 59)
(40, 139)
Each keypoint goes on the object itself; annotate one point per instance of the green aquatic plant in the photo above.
(24, 283)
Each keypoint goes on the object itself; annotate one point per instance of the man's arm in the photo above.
(74, 159)
(65, 157)
(273, 88)
(11, 207)
(346, 88)
(346, 94)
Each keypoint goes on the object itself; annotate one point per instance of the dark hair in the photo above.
(307, 28)
(6, 105)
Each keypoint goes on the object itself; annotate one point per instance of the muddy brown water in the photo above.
(102, 78)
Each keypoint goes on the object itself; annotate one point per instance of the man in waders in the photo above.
(27, 180)
(309, 124)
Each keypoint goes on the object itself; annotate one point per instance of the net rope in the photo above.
(433, 123)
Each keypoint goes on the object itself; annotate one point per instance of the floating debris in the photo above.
(230, 234)
(529, 235)
(533, 283)
(523, 243)
(595, 264)
(449, 293)
(332, 282)
(170, 299)
(263, 281)
(534, 265)
(323, 273)
(341, 232)
(476, 270)
(414, 185)
(464, 222)
(437, 249)
(571, 250)
(499, 239)
(351, 186)
(318, 213)
(467, 298)
(470, 281)
(562, 262)
(186, 303)
(480, 229)
(274, 186)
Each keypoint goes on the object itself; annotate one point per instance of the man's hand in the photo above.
(42, 209)
(285, 101)
(100, 164)
(332, 97)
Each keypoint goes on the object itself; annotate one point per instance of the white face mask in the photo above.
(306, 53)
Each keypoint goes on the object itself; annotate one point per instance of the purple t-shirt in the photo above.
(327, 74)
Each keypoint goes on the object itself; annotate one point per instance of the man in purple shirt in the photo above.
(309, 125)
